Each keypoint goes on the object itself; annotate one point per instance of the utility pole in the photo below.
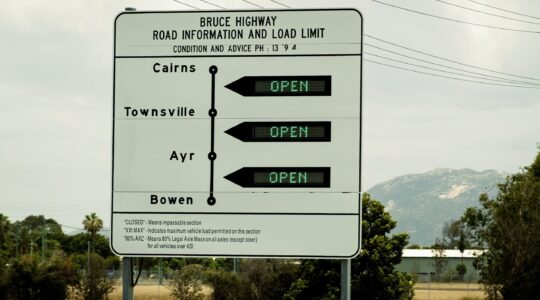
(43, 242)
(31, 244)
(88, 254)
(17, 237)
(160, 271)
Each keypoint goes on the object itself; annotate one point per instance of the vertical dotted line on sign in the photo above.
(212, 154)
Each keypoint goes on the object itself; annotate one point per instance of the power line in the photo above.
(183, 3)
(486, 13)
(208, 2)
(453, 20)
(77, 228)
(70, 227)
(284, 5)
(448, 67)
(448, 60)
(444, 71)
(448, 77)
(505, 10)
(253, 4)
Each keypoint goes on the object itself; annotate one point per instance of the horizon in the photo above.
(56, 90)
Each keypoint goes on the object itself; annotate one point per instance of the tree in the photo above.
(4, 230)
(6, 234)
(507, 227)
(93, 284)
(29, 278)
(461, 269)
(439, 259)
(373, 273)
(45, 233)
(450, 234)
(226, 285)
(187, 283)
(454, 235)
(92, 223)
(259, 277)
(78, 243)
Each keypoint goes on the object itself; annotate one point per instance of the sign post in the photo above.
(237, 134)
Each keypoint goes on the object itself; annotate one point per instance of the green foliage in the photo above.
(507, 226)
(374, 276)
(80, 261)
(461, 269)
(258, 274)
(30, 279)
(373, 273)
(439, 259)
(92, 223)
(33, 265)
(284, 273)
(220, 264)
(258, 279)
(455, 236)
(4, 279)
(176, 263)
(94, 284)
(226, 285)
(187, 283)
(5, 226)
(318, 280)
(36, 234)
(112, 263)
(79, 244)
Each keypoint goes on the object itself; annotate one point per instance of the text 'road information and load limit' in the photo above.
(237, 133)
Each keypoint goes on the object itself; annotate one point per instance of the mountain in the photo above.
(422, 203)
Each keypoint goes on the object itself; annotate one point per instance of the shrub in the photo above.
(227, 286)
(187, 283)
(461, 269)
(94, 284)
(33, 280)
(3, 279)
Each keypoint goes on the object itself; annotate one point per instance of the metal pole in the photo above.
(88, 256)
(160, 271)
(127, 277)
(345, 279)
(43, 242)
(127, 271)
(31, 244)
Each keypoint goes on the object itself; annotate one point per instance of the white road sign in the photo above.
(237, 133)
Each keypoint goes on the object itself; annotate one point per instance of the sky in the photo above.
(56, 75)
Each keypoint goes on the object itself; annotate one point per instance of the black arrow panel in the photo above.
(253, 86)
(297, 131)
(281, 177)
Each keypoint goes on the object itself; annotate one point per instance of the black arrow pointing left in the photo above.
(282, 131)
(281, 177)
(253, 86)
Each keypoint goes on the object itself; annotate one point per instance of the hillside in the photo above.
(422, 203)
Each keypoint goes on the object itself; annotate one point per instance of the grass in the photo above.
(424, 291)
(448, 291)
(147, 292)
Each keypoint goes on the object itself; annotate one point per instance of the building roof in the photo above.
(450, 253)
